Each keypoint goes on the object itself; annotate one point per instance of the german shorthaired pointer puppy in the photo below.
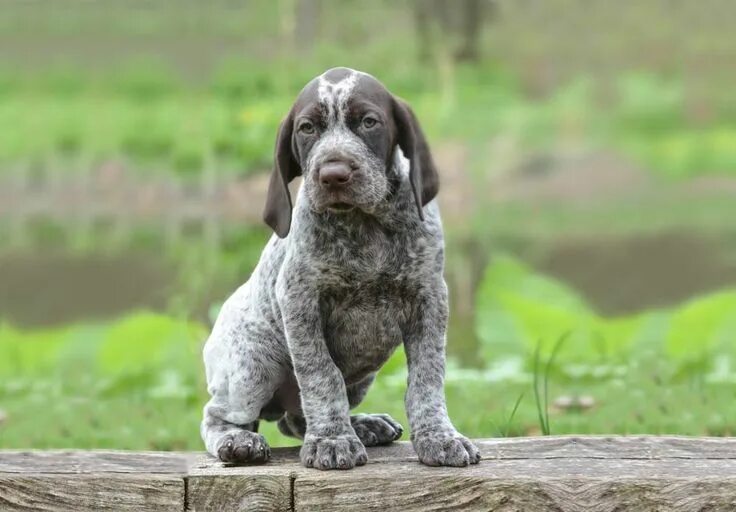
(355, 271)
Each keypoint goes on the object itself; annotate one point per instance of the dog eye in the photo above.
(369, 122)
(306, 128)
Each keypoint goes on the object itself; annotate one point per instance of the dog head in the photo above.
(341, 135)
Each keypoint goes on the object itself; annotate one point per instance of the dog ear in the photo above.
(277, 213)
(423, 174)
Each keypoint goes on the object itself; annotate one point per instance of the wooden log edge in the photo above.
(569, 473)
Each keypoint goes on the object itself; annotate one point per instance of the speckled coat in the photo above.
(336, 291)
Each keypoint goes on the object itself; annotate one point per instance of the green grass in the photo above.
(170, 110)
(161, 125)
(138, 382)
(89, 411)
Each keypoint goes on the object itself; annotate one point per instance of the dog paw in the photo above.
(243, 446)
(333, 452)
(445, 449)
(376, 429)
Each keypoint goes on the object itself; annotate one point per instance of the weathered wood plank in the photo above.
(564, 474)
(214, 486)
(94, 461)
(522, 474)
(91, 493)
(607, 447)
(551, 447)
(239, 493)
(536, 485)
(62, 480)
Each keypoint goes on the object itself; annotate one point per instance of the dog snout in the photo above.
(336, 173)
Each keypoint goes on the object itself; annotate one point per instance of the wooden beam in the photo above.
(564, 474)
(57, 481)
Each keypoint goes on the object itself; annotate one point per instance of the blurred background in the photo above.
(588, 162)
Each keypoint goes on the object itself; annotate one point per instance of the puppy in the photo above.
(353, 272)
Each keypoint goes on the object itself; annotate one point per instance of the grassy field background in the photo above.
(588, 157)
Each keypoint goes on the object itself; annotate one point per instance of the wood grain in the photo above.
(563, 474)
(94, 461)
(538, 484)
(92, 481)
(214, 486)
(91, 493)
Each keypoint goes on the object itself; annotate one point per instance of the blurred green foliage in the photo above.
(519, 308)
(519, 311)
(144, 114)
(138, 382)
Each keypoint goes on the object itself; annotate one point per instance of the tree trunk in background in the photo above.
(470, 27)
(442, 11)
(422, 25)
(456, 24)
(466, 263)
(308, 14)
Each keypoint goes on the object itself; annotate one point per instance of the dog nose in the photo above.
(335, 174)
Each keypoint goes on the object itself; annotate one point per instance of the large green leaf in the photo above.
(27, 353)
(135, 343)
(148, 339)
(518, 310)
(702, 326)
(505, 274)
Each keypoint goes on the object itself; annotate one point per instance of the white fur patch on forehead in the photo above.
(334, 95)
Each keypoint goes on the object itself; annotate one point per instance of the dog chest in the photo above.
(363, 326)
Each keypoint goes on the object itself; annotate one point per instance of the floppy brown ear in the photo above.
(277, 212)
(425, 182)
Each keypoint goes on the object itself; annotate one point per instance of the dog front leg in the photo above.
(330, 441)
(435, 439)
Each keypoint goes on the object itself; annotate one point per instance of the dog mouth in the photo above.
(340, 207)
